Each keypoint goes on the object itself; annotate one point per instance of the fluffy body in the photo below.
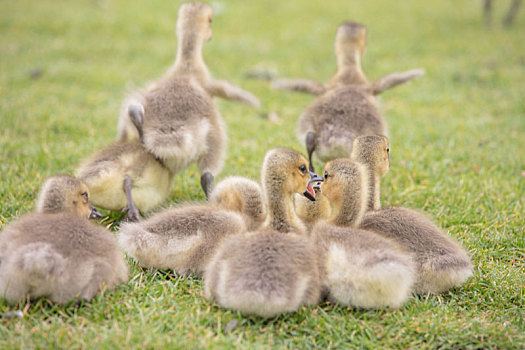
(358, 268)
(346, 106)
(337, 118)
(440, 261)
(264, 273)
(182, 239)
(106, 170)
(57, 253)
(58, 256)
(362, 269)
(272, 270)
(181, 124)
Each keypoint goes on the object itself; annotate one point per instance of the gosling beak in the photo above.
(94, 213)
(310, 192)
(317, 187)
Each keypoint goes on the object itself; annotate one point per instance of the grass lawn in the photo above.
(457, 141)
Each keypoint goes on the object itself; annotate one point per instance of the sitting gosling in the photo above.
(181, 123)
(126, 177)
(272, 270)
(181, 239)
(440, 260)
(243, 196)
(56, 252)
(346, 106)
(184, 238)
(358, 268)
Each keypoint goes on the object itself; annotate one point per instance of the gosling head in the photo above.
(243, 196)
(65, 193)
(338, 174)
(373, 151)
(195, 19)
(350, 40)
(286, 171)
(346, 187)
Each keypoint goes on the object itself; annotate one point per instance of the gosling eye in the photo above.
(325, 175)
(302, 169)
(209, 20)
(85, 195)
(388, 150)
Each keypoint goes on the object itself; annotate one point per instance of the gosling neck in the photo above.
(189, 55)
(349, 71)
(281, 216)
(349, 209)
(374, 185)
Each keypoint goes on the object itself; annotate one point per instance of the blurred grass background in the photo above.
(457, 142)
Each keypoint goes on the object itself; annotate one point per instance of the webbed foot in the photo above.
(132, 214)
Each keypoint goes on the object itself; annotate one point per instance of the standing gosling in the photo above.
(126, 177)
(272, 270)
(346, 106)
(358, 268)
(56, 252)
(441, 262)
(181, 123)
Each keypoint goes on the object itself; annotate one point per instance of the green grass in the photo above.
(457, 140)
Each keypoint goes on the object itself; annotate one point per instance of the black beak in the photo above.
(313, 178)
(94, 213)
(309, 195)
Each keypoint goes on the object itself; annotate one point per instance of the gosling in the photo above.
(358, 268)
(441, 262)
(272, 270)
(56, 252)
(126, 177)
(181, 123)
(181, 239)
(243, 196)
(184, 238)
(345, 107)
